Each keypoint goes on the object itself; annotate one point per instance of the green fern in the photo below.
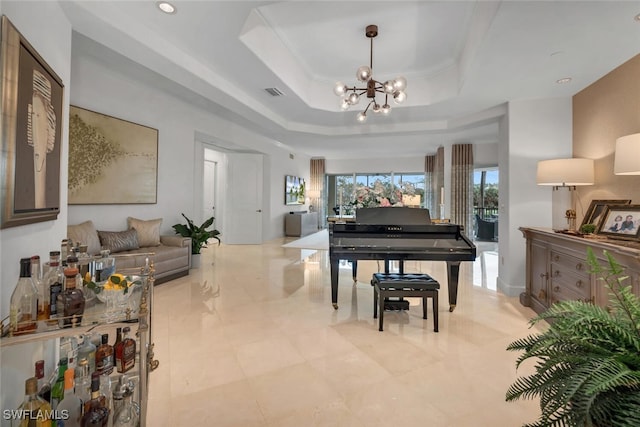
(587, 370)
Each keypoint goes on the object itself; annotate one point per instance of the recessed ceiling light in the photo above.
(166, 7)
(563, 80)
(637, 17)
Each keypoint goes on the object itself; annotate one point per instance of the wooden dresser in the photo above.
(557, 268)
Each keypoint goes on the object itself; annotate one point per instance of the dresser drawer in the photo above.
(570, 262)
(559, 293)
(565, 278)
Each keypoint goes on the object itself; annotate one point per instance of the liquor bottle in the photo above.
(70, 301)
(64, 251)
(54, 281)
(105, 390)
(88, 351)
(34, 411)
(125, 352)
(70, 405)
(23, 309)
(44, 391)
(69, 349)
(57, 390)
(40, 373)
(95, 412)
(43, 297)
(104, 356)
(126, 411)
(83, 381)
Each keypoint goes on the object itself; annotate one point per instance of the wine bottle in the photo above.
(23, 309)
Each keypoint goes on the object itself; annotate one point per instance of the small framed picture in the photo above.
(597, 208)
(621, 222)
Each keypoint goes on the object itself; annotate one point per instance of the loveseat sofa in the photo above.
(172, 253)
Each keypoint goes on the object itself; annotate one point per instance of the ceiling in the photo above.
(463, 60)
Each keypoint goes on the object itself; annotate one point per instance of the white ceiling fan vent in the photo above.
(274, 91)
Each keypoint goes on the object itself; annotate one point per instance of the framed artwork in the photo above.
(621, 222)
(294, 190)
(111, 161)
(597, 208)
(31, 94)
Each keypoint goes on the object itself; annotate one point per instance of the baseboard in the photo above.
(509, 289)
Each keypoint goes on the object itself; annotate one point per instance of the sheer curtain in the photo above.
(462, 185)
(434, 182)
(316, 187)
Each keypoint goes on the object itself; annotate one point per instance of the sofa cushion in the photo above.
(86, 234)
(148, 231)
(118, 241)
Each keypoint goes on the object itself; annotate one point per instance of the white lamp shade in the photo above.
(627, 158)
(565, 172)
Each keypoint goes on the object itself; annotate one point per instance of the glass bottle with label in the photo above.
(54, 281)
(125, 352)
(23, 309)
(43, 296)
(83, 380)
(34, 410)
(95, 411)
(88, 351)
(70, 406)
(70, 301)
(104, 356)
(57, 391)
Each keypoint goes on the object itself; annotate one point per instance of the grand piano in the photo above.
(400, 234)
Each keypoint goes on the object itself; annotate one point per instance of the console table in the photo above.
(557, 267)
(300, 224)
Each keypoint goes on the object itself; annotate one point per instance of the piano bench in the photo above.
(404, 285)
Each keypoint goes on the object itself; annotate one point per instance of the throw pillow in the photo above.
(148, 231)
(118, 241)
(86, 234)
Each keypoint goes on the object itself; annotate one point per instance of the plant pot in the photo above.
(195, 260)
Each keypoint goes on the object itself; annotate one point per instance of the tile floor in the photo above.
(251, 339)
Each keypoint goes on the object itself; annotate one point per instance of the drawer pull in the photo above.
(556, 273)
(556, 289)
(579, 266)
(556, 258)
(579, 284)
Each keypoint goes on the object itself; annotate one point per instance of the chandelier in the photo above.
(351, 95)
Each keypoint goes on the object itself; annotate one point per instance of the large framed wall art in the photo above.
(31, 94)
(111, 161)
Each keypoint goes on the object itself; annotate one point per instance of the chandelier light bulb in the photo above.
(340, 89)
(361, 117)
(353, 98)
(344, 104)
(363, 74)
(388, 86)
(376, 108)
(386, 109)
(399, 96)
(400, 83)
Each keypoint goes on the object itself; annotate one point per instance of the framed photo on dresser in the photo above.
(621, 222)
(597, 208)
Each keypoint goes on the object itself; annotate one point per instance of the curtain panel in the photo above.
(316, 189)
(462, 186)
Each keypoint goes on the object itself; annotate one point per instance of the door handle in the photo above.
(259, 210)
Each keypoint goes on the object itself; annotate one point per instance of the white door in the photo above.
(210, 172)
(244, 195)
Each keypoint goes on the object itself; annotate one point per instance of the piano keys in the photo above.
(398, 234)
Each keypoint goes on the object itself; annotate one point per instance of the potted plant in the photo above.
(588, 360)
(199, 236)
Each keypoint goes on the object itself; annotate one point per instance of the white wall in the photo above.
(49, 32)
(535, 130)
(98, 88)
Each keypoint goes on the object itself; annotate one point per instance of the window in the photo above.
(485, 192)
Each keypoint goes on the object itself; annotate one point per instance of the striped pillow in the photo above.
(118, 241)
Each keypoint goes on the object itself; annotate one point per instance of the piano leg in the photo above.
(333, 263)
(354, 270)
(453, 273)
